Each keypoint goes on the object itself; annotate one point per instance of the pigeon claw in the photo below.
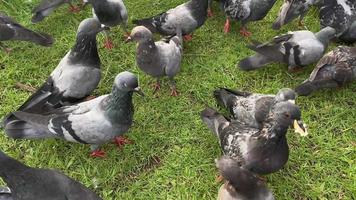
(174, 92)
(108, 44)
(188, 37)
(210, 13)
(156, 87)
(121, 141)
(74, 9)
(227, 26)
(97, 154)
(244, 32)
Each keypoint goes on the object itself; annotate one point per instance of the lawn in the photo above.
(173, 152)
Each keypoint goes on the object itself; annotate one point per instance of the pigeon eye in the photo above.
(287, 115)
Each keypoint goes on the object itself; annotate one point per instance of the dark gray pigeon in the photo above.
(158, 59)
(27, 183)
(296, 49)
(251, 108)
(5, 193)
(263, 150)
(46, 7)
(93, 122)
(338, 14)
(75, 77)
(110, 13)
(245, 11)
(11, 30)
(335, 69)
(240, 184)
(188, 16)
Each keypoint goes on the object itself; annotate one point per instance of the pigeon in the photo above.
(245, 11)
(75, 77)
(262, 151)
(92, 122)
(335, 69)
(46, 7)
(188, 16)
(110, 13)
(297, 49)
(27, 183)
(158, 59)
(251, 108)
(338, 14)
(11, 30)
(5, 193)
(240, 184)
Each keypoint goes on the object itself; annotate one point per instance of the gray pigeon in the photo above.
(5, 193)
(263, 150)
(340, 15)
(240, 184)
(75, 77)
(296, 49)
(245, 11)
(251, 108)
(11, 30)
(158, 59)
(93, 122)
(335, 69)
(188, 16)
(27, 183)
(110, 13)
(46, 7)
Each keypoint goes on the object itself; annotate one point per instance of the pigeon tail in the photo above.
(305, 88)
(254, 62)
(42, 39)
(148, 23)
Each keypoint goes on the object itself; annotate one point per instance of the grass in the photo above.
(173, 153)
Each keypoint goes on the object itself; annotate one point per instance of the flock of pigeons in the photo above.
(252, 138)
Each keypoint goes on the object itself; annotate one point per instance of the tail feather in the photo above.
(148, 23)
(254, 62)
(18, 129)
(42, 39)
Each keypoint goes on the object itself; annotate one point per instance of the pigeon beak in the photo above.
(291, 101)
(128, 39)
(300, 127)
(139, 91)
(103, 28)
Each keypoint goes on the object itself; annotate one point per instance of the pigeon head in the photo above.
(127, 81)
(240, 183)
(90, 26)
(325, 35)
(214, 120)
(139, 33)
(290, 10)
(286, 94)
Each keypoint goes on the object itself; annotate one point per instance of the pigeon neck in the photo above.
(119, 106)
(150, 43)
(273, 129)
(85, 51)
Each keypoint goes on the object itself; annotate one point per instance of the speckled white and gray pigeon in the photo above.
(27, 183)
(263, 150)
(240, 183)
(93, 122)
(75, 77)
(188, 16)
(296, 49)
(11, 30)
(335, 69)
(245, 11)
(110, 13)
(158, 59)
(46, 7)
(339, 14)
(251, 108)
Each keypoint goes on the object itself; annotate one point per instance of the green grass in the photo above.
(173, 154)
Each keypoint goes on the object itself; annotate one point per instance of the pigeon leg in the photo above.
(210, 13)
(227, 26)
(174, 92)
(73, 9)
(294, 69)
(244, 32)
(97, 154)
(121, 141)
(108, 43)
(156, 86)
(188, 37)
